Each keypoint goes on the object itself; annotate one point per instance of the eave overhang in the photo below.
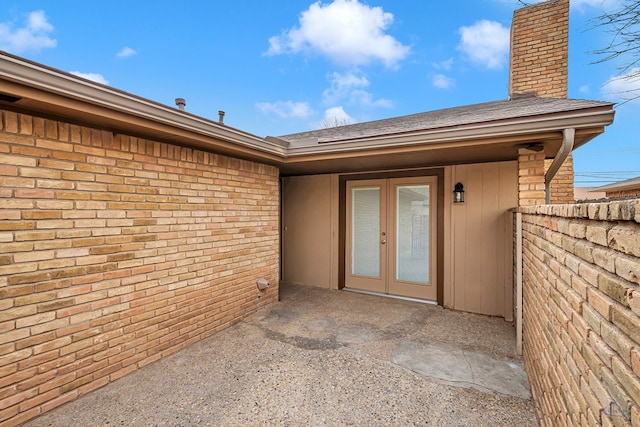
(59, 94)
(31, 87)
(479, 142)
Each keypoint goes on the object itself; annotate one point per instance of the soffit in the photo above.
(490, 149)
(475, 133)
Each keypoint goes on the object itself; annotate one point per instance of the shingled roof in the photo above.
(627, 184)
(505, 110)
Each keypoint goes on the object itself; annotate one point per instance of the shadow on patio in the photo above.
(324, 357)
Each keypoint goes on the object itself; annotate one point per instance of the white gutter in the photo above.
(519, 283)
(568, 139)
(50, 80)
(468, 133)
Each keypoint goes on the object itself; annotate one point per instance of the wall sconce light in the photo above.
(458, 193)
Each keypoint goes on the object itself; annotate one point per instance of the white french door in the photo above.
(391, 236)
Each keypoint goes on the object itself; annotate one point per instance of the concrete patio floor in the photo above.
(324, 357)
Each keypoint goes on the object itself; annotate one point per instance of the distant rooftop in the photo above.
(627, 184)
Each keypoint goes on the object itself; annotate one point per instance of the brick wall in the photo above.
(540, 49)
(623, 193)
(531, 168)
(581, 301)
(117, 251)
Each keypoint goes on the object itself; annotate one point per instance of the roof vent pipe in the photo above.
(221, 117)
(181, 103)
(568, 138)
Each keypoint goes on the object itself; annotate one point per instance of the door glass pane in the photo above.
(365, 256)
(412, 233)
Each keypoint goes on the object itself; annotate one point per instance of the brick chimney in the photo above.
(538, 61)
(538, 65)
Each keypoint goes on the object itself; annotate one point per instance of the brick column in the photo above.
(530, 177)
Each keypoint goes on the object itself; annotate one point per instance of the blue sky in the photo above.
(289, 66)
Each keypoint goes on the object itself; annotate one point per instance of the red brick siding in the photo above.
(581, 302)
(117, 251)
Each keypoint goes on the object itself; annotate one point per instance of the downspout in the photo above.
(568, 139)
(519, 283)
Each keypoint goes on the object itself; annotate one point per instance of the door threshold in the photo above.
(378, 294)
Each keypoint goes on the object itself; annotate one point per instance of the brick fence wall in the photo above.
(624, 193)
(581, 302)
(117, 251)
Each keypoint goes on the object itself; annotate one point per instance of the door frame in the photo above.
(342, 225)
(369, 283)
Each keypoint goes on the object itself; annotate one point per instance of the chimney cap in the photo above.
(181, 103)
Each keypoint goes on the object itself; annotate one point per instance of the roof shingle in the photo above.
(449, 117)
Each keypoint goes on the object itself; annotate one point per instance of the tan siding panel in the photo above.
(482, 250)
(307, 230)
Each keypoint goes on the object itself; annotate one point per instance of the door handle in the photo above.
(382, 242)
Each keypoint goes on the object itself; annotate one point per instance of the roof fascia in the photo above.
(46, 79)
(579, 119)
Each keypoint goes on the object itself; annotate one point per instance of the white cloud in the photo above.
(625, 87)
(485, 43)
(33, 36)
(444, 65)
(584, 89)
(94, 77)
(350, 86)
(286, 109)
(342, 85)
(441, 81)
(336, 116)
(345, 31)
(365, 99)
(126, 52)
(600, 4)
